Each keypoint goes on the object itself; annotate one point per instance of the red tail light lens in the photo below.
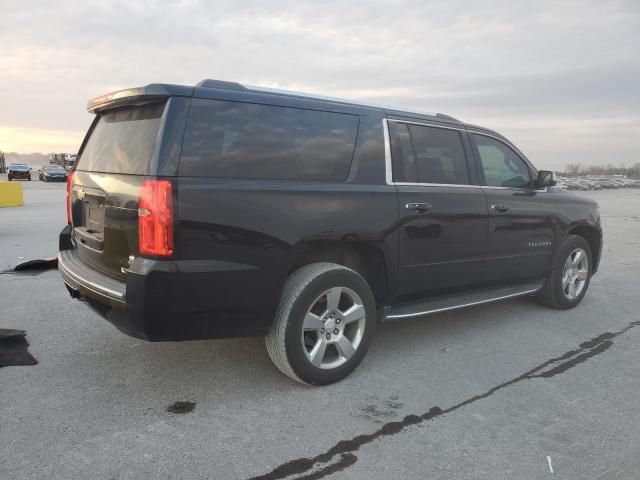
(155, 218)
(70, 178)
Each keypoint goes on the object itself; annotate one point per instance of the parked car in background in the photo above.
(19, 171)
(52, 173)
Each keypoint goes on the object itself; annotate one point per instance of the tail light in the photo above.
(70, 178)
(155, 218)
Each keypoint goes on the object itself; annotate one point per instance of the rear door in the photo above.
(117, 155)
(443, 215)
(521, 224)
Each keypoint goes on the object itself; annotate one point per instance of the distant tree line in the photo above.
(576, 169)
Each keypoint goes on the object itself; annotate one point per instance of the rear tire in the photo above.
(324, 325)
(569, 280)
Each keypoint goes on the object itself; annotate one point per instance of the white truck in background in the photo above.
(67, 160)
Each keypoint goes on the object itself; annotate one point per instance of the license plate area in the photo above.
(94, 217)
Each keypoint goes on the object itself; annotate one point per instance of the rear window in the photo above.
(122, 141)
(245, 140)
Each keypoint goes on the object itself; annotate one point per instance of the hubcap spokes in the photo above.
(575, 274)
(333, 328)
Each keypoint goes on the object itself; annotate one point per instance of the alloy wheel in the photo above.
(333, 328)
(575, 274)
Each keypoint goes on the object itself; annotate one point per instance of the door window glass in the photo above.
(423, 154)
(502, 166)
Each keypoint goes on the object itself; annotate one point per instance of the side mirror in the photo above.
(545, 179)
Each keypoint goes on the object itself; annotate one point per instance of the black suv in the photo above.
(224, 210)
(19, 170)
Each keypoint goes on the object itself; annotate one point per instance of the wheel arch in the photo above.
(365, 258)
(593, 236)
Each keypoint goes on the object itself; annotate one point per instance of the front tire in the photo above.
(569, 280)
(324, 325)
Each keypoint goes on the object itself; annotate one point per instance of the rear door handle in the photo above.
(421, 207)
(500, 207)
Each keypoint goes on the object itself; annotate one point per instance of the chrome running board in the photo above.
(461, 300)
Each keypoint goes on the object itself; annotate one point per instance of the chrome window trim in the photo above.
(387, 152)
(388, 163)
(491, 187)
(411, 122)
(457, 185)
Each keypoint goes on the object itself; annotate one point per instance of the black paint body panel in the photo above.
(236, 240)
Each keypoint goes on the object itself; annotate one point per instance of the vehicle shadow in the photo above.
(201, 368)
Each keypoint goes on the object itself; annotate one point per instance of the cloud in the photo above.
(28, 140)
(537, 71)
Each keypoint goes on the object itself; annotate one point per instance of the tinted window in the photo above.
(427, 155)
(122, 140)
(245, 140)
(502, 166)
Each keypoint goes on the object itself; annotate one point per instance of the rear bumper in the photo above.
(160, 301)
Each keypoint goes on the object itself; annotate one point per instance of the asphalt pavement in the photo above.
(501, 391)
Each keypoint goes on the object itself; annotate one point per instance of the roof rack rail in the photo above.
(209, 83)
(222, 84)
(447, 117)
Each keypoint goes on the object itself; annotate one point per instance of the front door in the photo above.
(520, 221)
(443, 217)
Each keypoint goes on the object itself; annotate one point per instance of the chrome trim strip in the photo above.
(387, 152)
(410, 122)
(456, 185)
(455, 307)
(388, 162)
(513, 188)
(100, 289)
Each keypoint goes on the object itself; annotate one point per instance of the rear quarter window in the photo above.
(246, 140)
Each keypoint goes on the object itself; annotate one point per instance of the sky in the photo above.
(561, 79)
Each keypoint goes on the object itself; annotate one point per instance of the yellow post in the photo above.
(10, 194)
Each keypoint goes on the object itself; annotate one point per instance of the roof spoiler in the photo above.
(135, 96)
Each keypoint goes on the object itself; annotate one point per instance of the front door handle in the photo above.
(500, 207)
(421, 207)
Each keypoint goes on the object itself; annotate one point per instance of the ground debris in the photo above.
(13, 348)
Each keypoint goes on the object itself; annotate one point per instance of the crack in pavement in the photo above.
(325, 464)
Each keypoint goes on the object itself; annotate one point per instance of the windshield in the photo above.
(54, 168)
(19, 166)
(122, 141)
